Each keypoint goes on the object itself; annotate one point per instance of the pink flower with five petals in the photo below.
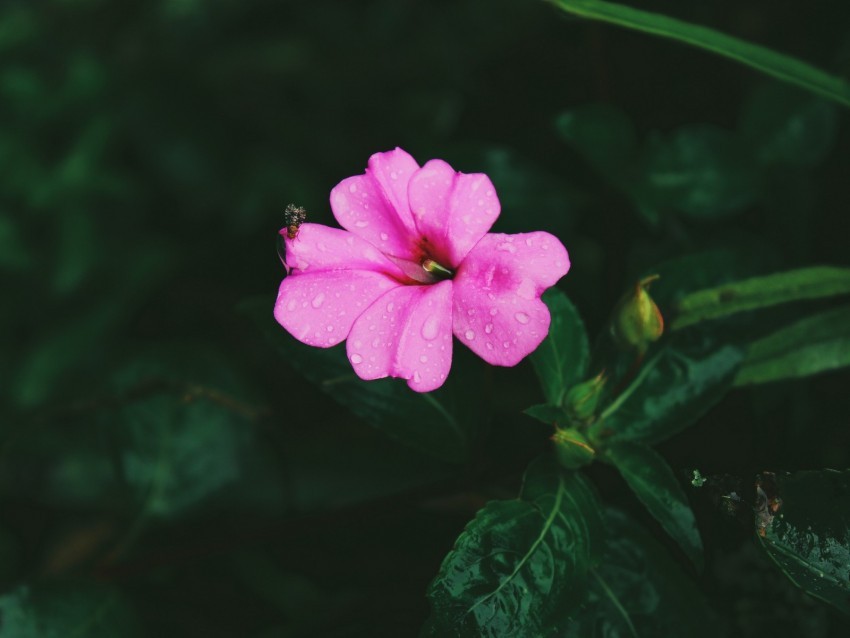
(414, 265)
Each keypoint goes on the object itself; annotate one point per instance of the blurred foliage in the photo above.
(167, 470)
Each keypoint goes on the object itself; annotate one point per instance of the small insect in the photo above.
(293, 217)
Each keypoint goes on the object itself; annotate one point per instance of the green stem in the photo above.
(778, 65)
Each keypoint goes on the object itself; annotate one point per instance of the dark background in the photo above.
(156, 446)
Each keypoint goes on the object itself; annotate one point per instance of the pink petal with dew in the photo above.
(318, 248)
(361, 206)
(452, 210)
(497, 310)
(407, 333)
(319, 308)
(392, 171)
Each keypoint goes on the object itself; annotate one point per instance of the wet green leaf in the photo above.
(808, 536)
(638, 592)
(520, 562)
(561, 360)
(602, 133)
(809, 346)
(678, 381)
(654, 483)
(440, 423)
(67, 611)
(761, 292)
(787, 126)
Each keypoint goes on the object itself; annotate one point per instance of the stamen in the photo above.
(437, 270)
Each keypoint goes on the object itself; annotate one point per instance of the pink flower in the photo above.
(414, 265)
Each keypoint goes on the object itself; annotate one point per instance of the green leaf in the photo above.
(812, 345)
(761, 292)
(441, 423)
(602, 133)
(519, 562)
(675, 385)
(778, 65)
(68, 611)
(638, 592)
(808, 537)
(561, 360)
(787, 126)
(700, 171)
(546, 413)
(653, 482)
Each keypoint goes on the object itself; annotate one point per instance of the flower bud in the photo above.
(583, 398)
(572, 449)
(637, 320)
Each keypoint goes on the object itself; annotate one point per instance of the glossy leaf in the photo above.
(603, 134)
(814, 344)
(65, 611)
(808, 536)
(778, 65)
(700, 171)
(561, 360)
(761, 292)
(787, 126)
(654, 483)
(676, 383)
(440, 423)
(638, 592)
(520, 562)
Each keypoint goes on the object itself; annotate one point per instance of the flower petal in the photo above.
(318, 248)
(451, 210)
(318, 308)
(374, 205)
(407, 333)
(497, 310)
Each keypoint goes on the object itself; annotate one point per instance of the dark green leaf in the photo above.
(700, 171)
(440, 423)
(787, 126)
(638, 592)
(761, 292)
(546, 413)
(676, 384)
(602, 133)
(814, 344)
(653, 482)
(808, 536)
(561, 360)
(519, 562)
(79, 611)
(780, 66)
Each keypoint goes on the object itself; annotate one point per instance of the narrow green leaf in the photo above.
(778, 65)
(814, 344)
(637, 592)
(546, 413)
(561, 360)
(804, 520)
(67, 611)
(440, 423)
(676, 384)
(761, 292)
(653, 482)
(519, 562)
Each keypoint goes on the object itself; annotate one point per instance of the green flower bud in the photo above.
(637, 320)
(572, 449)
(583, 398)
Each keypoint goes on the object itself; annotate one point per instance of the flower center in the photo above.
(437, 271)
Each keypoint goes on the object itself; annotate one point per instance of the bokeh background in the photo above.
(164, 468)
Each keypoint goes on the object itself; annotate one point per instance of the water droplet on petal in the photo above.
(291, 305)
(376, 342)
(356, 358)
(431, 327)
(506, 344)
(393, 175)
(318, 300)
(384, 237)
(488, 328)
(390, 306)
(529, 241)
(470, 312)
(494, 312)
(489, 346)
(416, 377)
(361, 223)
(506, 247)
(521, 317)
(423, 359)
(352, 188)
(330, 328)
(469, 334)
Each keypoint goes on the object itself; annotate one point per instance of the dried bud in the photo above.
(583, 398)
(572, 449)
(637, 320)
